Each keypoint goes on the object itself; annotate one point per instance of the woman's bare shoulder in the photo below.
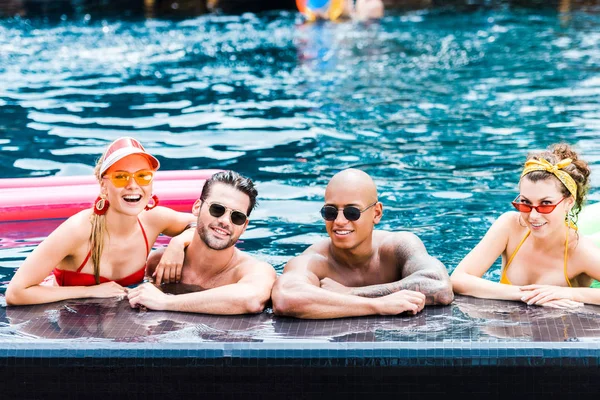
(78, 226)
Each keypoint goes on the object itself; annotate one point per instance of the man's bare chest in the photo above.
(376, 274)
(191, 276)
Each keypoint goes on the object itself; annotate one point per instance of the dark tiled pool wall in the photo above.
(232, 378)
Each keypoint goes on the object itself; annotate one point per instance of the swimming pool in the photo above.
(440, 105)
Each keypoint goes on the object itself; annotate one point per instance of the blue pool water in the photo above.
(439, 106)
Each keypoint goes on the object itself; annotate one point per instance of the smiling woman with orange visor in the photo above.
(544, 260)
(100, 251)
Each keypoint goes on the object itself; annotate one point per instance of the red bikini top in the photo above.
(77, 278)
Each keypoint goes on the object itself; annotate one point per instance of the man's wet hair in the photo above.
(235, 180)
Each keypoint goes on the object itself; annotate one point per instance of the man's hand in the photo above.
(169, 268)
(334, 286)
(149, 296)
(402, 301)
(542, 294)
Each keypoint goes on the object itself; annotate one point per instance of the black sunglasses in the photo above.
(217, 210)
(351, 213)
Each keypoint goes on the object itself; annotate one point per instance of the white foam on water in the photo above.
(500, 131)
(451, 195)
(170, 105)
(67, 169)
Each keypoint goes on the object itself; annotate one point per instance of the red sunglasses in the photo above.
(542, 208)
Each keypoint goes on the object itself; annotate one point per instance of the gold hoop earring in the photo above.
(522, 224)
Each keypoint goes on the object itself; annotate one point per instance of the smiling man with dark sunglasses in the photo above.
(220, 278)
(359, 270)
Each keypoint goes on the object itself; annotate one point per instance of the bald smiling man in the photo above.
(359, 270)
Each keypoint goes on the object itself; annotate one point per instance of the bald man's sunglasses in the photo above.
(351, 213)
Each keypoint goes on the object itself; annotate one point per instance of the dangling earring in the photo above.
(570, 220)
(101, 205)
(522, 224)
(154, 204)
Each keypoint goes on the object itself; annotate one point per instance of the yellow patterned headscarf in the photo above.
(564, 177)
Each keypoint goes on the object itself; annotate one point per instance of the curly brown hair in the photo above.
(578, 170)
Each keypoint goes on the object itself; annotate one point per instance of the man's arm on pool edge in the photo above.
(297, 293)
(420, 272)
(248, 295)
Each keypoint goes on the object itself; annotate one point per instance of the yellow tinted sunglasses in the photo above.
(120, 179)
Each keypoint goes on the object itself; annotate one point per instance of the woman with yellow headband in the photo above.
(544, 260)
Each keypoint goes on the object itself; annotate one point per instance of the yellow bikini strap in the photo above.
(556, 170)
(566, 255)
(516, 250)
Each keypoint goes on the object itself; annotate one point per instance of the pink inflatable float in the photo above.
(29, 199)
